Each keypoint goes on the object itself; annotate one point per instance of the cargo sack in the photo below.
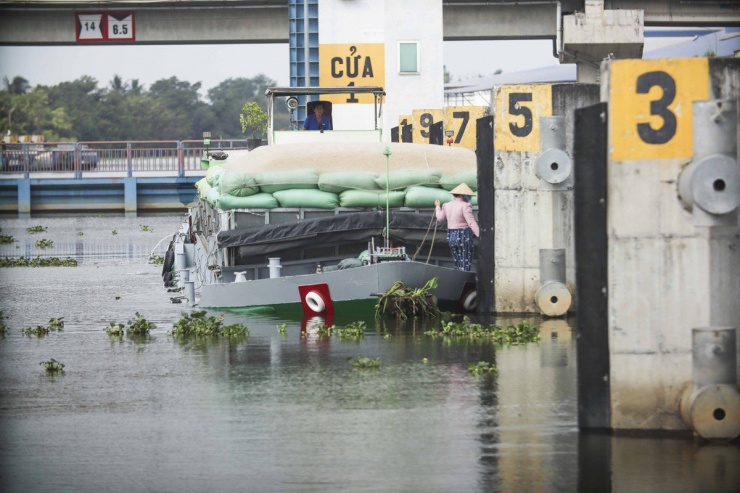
(274, 181)
(215, 169)
(369, 198)
(212, 195)
(203, 187)
(425, 196)
(307, 198)
(470, 178)
(238, 184)
(404, 178)
(339, 181)
(256, 201)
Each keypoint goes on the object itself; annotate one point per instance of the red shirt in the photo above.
(459, 215)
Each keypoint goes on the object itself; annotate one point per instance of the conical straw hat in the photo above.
(462, 189)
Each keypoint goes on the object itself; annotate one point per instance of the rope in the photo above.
(425, 239)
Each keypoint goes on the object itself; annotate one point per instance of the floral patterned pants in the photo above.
(461, 246)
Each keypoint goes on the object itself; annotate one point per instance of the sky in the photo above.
(212, 64)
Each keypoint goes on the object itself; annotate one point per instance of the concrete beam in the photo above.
(478, 22)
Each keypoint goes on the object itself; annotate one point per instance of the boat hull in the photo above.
(360, 283)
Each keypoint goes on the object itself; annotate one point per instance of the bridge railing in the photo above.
(117, 158)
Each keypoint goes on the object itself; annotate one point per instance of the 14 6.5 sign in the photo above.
(102, 27)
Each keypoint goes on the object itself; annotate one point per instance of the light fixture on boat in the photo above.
(204, 162)
(449, 134)
(292, 104)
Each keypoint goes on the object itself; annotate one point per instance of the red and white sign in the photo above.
(102, 27)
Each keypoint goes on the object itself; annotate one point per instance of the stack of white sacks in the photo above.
(330, 175)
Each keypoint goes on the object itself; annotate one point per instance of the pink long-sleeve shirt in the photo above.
(459, 215)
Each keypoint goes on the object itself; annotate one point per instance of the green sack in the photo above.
(203, 188)
(470, 178)
(273, 181)
(215, 169)
(369, 198)
(404, 178)
(212, 196)
(256, 201)
(425, 196)
(238, 184)
(307, 198)
(339, 181)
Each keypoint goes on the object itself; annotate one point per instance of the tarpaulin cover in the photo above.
(342, 229)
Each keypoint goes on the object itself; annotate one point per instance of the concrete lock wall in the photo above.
(669, 269)
(531, 213)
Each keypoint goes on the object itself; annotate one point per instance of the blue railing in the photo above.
(123, 158)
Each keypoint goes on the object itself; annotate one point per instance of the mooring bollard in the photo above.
(553, 165)
(190, 292)
(275, 267)
(711, 404)
(553, 298)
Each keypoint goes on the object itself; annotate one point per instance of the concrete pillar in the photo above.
(531, 212)
(24, 198)
(667, 272)
(130, 197)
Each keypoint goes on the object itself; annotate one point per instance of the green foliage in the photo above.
(36, 229)
(114, 232)
(324, 331)
(156, 259)
(253, 120)
(56, 323)
(280, 328)
(53, 366)
(4, 239)
(80, 233)
(521, 333)
(403, 302)
(366, 363)
(146, 228)
(3, 327)
(198, 324)
(38, 331)
(355, 330)
(37, 262)
(44, 243)
(114, 330)
(139, 326)
(482, 368)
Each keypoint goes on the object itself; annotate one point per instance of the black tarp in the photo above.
(341, 229)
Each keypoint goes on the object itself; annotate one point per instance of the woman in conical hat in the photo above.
(461, 225)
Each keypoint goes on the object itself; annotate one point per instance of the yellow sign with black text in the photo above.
(351, 64)
(461, 121)
(422, 120)
(517, 116)
(650, 107)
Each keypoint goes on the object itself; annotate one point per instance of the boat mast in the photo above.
(387, 154)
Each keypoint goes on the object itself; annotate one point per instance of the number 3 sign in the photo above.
(650, 107)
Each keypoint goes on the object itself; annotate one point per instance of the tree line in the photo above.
(170, 109)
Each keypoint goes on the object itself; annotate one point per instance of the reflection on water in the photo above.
(288, 412)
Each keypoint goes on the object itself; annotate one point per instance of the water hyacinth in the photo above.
(366, 363)
(37, 262)
(36, 229)
(511, 335)
(482, 368)
(403, 302)
(198, 324)
(139, 326)
(53, 366)
(354, 330)
(38, 331)
(44, 243)
(114, 330)
(3, 327)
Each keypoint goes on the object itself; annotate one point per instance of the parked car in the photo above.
(62, 158)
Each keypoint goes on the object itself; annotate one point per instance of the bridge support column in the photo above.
(130, 193)
(24, 198)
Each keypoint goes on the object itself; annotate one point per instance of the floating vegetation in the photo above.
(355, 330)
(80, 233)
(53, 366)
(512, 335)
(281, 328)
(156, 259)
(3, 327)
(200, 325)
(37, 262)
(144, 227)
(56, 323)
(323, 331)
(366, 363)
(5, 239)
(38, 331)
(114, 330)
(403, 302)
(44, 243)
(37, 229)
(114, 232)
(482, 368)
(139, 326)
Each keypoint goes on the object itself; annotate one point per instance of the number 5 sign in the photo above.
(518, 109)
(650, 107)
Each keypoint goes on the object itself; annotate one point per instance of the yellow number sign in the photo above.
(404, 120)
(422, 120)
(351, 65)
(518, 109)
(650, 115)
(461, 120)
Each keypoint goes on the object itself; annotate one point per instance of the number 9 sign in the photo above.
(422, 120)
(650, 107)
